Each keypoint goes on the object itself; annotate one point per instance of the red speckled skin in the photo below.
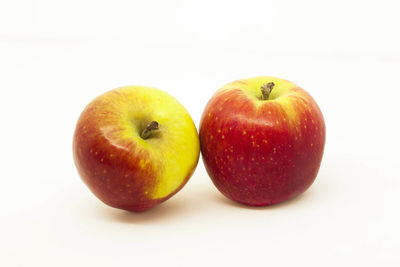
(259, 156)
(112, 171)
(117, 180)
(96, 169)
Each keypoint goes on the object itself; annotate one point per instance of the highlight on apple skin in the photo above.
(262, 140)
(135, 147)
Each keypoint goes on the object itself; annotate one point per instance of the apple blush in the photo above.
(135, 147)
(262, 140)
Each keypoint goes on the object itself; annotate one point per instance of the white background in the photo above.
(55, 56)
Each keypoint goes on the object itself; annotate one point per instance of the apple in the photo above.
(262, 140)
(135, 147)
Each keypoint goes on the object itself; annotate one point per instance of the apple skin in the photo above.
(262, 152)
(124, 170)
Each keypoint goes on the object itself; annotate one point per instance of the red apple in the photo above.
(135, 147)
(262, 140)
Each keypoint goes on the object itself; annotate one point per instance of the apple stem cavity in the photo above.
(151, 127)
(266, 89)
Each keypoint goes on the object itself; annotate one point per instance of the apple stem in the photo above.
(266, 89)
(151, 127)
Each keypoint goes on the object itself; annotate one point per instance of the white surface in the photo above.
(56, 56)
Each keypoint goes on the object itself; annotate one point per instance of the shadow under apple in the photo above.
(189, 201)
(222, 199)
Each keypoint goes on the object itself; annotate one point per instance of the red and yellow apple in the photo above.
(135, 147)
(262, 140)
